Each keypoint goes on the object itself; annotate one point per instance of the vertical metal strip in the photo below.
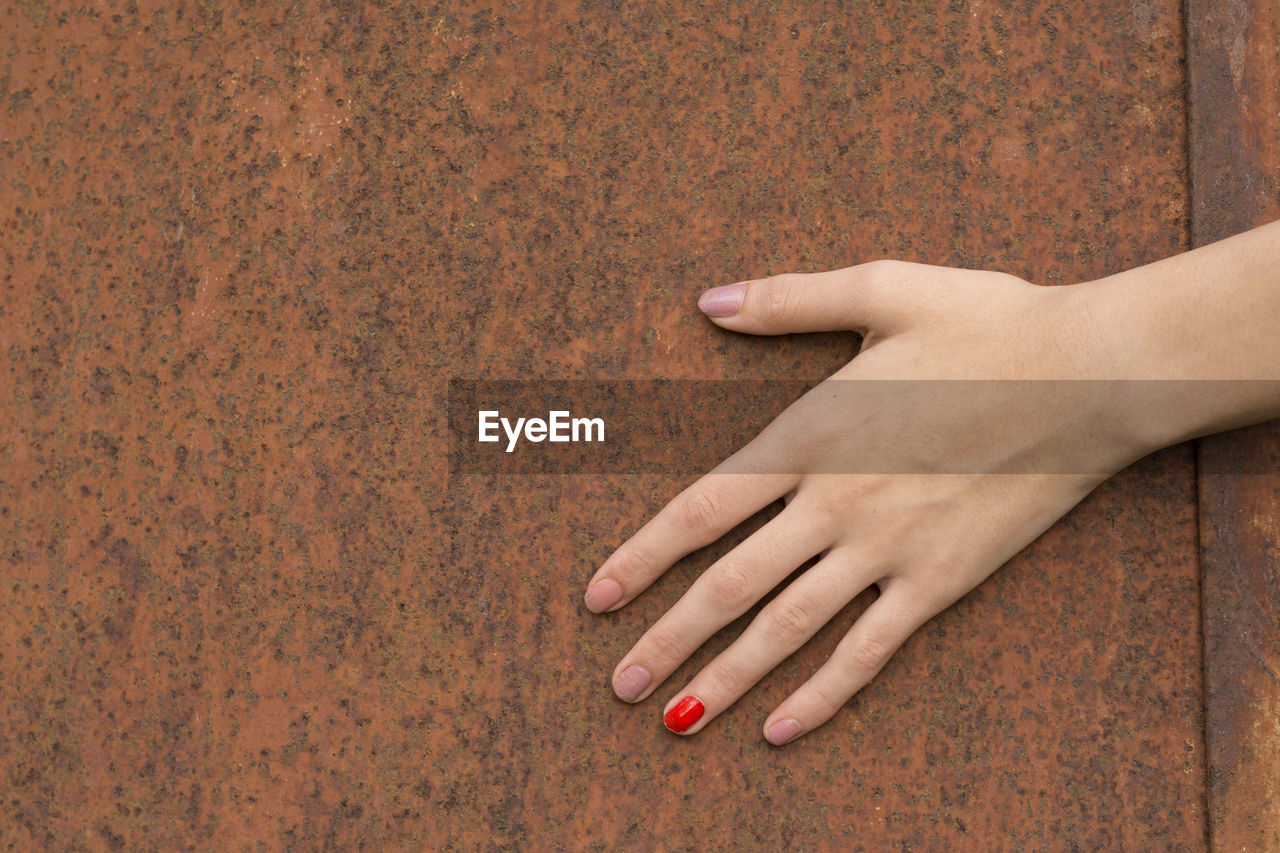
(1233, 58)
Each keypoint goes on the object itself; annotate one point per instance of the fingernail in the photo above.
(683, 714)
(631, 682)
(782, 732)
(723, 301)
(602, 595)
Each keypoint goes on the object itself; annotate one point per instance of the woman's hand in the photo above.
(918, 486)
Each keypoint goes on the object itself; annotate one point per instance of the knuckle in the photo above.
(880, 278)
(698, 512)
(791, 622)
(634, 562)
(779, 299)
(881, 271)
(723, 681)
(824, 703)
(729, 585)
(868, 654)
(664, 647)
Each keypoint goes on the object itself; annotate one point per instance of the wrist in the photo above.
(1169, 354)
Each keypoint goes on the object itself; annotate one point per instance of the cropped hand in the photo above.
(915, 486)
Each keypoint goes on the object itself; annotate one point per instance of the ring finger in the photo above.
(782, 627)
(721, 594)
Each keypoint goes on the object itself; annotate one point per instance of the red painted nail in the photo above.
(685, 713)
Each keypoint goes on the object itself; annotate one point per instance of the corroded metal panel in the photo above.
(1234, 63)
(246, 246)
(1240, 542)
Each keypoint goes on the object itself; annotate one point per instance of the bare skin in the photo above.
(928, 535)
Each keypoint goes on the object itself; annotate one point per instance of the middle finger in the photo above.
(721, 594)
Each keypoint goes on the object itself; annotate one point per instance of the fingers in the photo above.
(863, 652)
(723, 593)
(699, 515)
(857, 298)
(781, 627)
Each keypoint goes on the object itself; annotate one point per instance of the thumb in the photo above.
(861, 299)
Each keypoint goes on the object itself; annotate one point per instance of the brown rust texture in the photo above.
(245, 247)
(1234, 64)
(1240, 542)
(1233, 67)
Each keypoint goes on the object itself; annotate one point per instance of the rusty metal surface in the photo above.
(246, 246)
(1240, 555)
(1234, 64)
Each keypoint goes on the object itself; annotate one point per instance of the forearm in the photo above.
(1200, 332)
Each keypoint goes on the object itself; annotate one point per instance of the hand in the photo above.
(974, 479)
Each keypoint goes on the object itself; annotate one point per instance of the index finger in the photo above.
(698, 516)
